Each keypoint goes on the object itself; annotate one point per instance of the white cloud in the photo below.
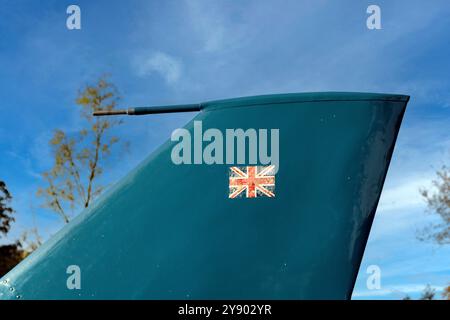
(420, 150)
(398, 290)
(209, 22)
(401, 209)
(403, 196)
(167, 66)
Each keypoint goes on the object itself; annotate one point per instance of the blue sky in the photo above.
(169, 52)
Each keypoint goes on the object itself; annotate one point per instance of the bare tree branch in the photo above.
(79, 157)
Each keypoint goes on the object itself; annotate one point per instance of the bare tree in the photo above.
(10, 254)
(428, 293)
(438, 201)
(6, 211)
(79, 157)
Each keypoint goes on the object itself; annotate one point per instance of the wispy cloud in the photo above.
(399, 291)
(210, 23)
(404, 196)
(165, 65)
(26, 164)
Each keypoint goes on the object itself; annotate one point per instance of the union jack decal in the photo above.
(256, 181)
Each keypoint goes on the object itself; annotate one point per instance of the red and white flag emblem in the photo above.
(256, 181)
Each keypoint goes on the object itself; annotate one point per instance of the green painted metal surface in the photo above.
(171, 232)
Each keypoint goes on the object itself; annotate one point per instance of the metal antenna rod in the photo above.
(151, 110)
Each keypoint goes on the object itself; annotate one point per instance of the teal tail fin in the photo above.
(214, 231)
